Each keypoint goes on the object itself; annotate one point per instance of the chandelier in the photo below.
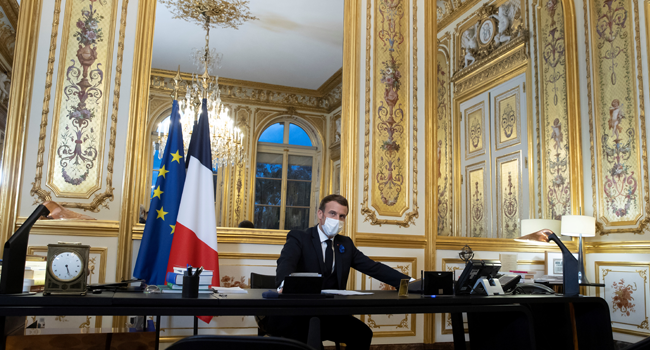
(226, 140)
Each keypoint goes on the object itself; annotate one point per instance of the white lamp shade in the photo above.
(574, 225)
(534, 225)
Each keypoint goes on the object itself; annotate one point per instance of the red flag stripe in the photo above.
(189, 249)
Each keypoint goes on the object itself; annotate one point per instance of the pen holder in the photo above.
(190, 286)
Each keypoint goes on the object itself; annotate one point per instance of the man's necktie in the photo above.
(329, 258)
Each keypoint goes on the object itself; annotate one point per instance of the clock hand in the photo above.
(66, 267)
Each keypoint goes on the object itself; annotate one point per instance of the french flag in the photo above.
(195, 235)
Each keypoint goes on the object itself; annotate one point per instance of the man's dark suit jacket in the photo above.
(303, 252)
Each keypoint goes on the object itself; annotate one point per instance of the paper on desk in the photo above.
(343, 292)
(508, 262)
(229, 290)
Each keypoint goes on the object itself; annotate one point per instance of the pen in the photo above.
(189, 270)
(198, 271)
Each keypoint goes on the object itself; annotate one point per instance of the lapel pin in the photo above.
(341, 248)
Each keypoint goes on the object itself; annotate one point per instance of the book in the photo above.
(229, 290)
(183, 270)
(180, 286)
(165, 289)
(176, 278)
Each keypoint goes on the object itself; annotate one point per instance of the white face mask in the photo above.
(332, 227)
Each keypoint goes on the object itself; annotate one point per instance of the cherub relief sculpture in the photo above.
(469, 43)
(506, 16)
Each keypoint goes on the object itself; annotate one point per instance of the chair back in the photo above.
(237, 342)
(260, 281)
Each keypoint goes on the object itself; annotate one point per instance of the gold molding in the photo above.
(20, 98)
(506, 58)
(135, 137)
(455, 14)
(323, 100)
(390, 240)
(497, 245)
(430, 141)
(628, 247)
(643, 219)
(536, 83)
(11, 8)
(87, 228)
(368, 213)
(99, 200)
(252, 256)
(59, 113)
(41, 194)
(236, 235)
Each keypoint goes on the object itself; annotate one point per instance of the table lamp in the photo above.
(541, 234)
(579, 226)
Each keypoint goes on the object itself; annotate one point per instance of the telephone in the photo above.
(532, 288)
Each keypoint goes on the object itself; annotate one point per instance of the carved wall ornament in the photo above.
(391, 151)
(494, 27)
(323, 100)
(101, 199)
(617, 122)
(504, 59)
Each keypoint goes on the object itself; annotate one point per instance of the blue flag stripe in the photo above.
(151, 264)
(200, 143)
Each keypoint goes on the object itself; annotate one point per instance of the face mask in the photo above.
(332, 227)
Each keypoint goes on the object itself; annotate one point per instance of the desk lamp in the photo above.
(543, 235)
(579, 226)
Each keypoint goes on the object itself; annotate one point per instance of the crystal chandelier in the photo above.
(226, 140)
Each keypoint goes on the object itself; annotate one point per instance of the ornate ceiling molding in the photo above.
(456, 9)
(324, 100)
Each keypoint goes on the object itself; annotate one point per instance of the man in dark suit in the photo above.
(320, 249)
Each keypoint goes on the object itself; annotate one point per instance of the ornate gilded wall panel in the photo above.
(554, 111)
(475, 131)
(444, 148)
(621, 176)
(509, 198)
(507, 116)
(476, 201)
(391, 124)
(243, 117)
(393, 164)
(81, 102)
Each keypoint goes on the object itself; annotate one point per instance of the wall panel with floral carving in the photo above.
(618, 123)
(444, 146)
(390, 124)
(81, 102)
(556, 187)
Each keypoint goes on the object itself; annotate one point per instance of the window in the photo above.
(284, 178)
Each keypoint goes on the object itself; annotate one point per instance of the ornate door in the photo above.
(494, 145)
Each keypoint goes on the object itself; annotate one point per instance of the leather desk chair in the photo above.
(259, 281)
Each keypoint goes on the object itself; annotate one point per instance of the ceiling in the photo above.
(297, 43)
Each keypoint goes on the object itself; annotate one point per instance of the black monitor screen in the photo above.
(474, 270)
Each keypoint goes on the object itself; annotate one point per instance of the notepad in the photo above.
(229, 290)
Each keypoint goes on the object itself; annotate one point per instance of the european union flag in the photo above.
(156, 243)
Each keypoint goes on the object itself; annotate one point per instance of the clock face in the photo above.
(66, 266)
(486, 32)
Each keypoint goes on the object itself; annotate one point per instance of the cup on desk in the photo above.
(190, 287)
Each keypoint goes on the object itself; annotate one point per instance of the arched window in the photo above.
(285, 177)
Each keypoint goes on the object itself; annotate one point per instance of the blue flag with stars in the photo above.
(156, 243)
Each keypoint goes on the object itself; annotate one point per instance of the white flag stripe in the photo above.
(196, 211)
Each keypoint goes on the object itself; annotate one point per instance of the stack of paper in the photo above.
(229, 290)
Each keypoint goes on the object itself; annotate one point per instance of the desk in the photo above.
(503, 322)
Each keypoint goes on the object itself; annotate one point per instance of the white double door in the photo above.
(494, 161)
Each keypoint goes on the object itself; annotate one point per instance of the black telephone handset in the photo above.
(532, 288)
